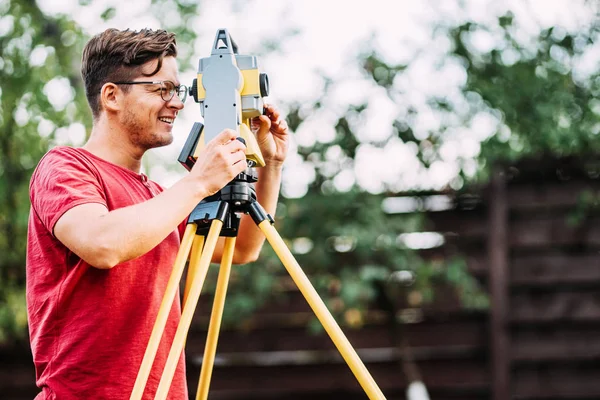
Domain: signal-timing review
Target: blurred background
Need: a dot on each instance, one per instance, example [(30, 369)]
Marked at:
[(442, 191)]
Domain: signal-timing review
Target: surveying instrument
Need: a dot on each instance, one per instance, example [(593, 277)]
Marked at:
[(230, 91)]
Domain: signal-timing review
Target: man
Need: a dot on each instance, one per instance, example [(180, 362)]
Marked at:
[(103, 238)]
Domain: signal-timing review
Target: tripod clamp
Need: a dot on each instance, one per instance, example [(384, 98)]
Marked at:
[(225, 206)]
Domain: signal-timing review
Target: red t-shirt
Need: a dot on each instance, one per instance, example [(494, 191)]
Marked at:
[(89, 328)]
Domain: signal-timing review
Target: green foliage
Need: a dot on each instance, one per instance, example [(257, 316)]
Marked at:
[(382, 73), (545, 109), (249, 287), (588, 205), (180, 17), (347, 246), (37, 56)]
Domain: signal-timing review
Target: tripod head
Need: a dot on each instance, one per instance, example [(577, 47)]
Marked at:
[(230, 91)]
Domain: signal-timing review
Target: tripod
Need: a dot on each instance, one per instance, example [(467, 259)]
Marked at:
[(217, 216)]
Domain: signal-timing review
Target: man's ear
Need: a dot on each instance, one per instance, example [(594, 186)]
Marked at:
[(110, 97)]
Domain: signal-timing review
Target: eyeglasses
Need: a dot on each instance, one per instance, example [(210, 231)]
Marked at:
[(167, 89)]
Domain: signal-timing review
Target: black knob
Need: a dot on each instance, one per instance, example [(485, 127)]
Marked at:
[(264, 84), (194, 90)]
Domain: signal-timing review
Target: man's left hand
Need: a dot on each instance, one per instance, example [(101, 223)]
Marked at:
[(272, 135)]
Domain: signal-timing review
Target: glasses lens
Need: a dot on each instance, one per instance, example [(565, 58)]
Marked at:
[(167, 90), (182, 91)]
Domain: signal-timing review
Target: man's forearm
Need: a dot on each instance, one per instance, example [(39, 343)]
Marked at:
[(250, 238), (130, 232), (267, 188)]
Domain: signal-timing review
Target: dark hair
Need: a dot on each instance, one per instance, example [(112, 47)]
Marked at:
[(115, 55)]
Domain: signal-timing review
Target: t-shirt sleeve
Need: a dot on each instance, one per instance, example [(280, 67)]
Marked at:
[(61, 181), (181, 228)]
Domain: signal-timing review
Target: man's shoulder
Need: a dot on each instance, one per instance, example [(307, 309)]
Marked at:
[(61, 152), (60, 161), (56, 155)]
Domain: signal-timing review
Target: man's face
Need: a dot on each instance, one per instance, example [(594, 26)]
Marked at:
[(147, 118)]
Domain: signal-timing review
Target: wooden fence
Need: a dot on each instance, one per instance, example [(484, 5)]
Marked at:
[(539, 340), (533, 238)]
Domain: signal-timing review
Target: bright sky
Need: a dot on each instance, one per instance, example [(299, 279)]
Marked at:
[(331, 34)]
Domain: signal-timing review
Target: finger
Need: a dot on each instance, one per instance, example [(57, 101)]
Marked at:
[(264, 128), (281, 126), (261, 119), (272, 112), (226, 136), (257, 122), (262, 122), (237, 157), (234, 146), (270, 108)]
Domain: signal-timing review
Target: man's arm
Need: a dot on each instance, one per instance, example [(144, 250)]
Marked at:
[(105, 238)]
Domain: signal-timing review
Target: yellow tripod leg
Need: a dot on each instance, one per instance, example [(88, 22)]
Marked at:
[(163, 312), (215, 320), (320, 309), (188, 312), (193, 266)]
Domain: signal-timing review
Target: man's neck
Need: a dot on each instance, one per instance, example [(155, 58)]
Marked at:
[(114, 146)]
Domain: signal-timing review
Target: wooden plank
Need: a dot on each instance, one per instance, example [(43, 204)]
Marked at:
[(561, 342), (465, 224), (499, 280), (554, 306), (527, 231), (391, 394), (448, 375), (17, 381), (553, 268), (450, 332), (562, 196), (530, 229), (292, 311), (17, 373), (288, 358), (544, 268), (533, 196), (557, 381), (554, 231), (552, 170)]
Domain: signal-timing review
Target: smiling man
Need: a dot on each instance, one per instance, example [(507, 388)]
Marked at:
[(103, 238)]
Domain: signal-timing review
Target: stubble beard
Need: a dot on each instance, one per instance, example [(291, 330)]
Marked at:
[(144, 135)]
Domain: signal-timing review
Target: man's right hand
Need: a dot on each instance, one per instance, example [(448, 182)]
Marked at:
[(221, 160)]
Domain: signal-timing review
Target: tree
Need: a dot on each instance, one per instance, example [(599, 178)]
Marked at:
[(41, 97), (546, 109), (537, 96)]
